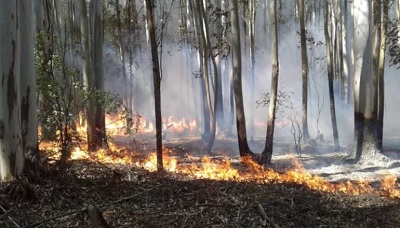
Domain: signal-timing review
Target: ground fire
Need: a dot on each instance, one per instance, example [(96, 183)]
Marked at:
[(225, 168)]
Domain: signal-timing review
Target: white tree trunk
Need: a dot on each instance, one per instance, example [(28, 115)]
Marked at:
[(365, 140), (11, 152), (269, 141), (29, 117)]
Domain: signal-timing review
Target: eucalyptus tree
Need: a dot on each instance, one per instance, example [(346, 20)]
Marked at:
[(380, 12), (203, 66), (88, 77), (126, 96), (267, 152), (330, 67), (29, 115), (244, 149), (11, 148), (365, 140), (304, 69), (98, 70), (347, 29), (251, 20), (156, 80)]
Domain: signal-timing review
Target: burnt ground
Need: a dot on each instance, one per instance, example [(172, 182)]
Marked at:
[(127, 196)]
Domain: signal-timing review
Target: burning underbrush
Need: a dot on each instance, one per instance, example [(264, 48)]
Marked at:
[(120, 184), (246, 170)]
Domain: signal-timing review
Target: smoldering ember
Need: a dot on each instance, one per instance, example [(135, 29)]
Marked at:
[(164, 113)]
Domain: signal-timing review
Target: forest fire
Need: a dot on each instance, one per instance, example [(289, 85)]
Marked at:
[(179, 126), (208, 168), (223, 168)]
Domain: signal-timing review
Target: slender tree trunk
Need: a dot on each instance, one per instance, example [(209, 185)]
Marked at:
[(244, 149), (304, 67), (128, 117), (345, 57), (98, 41), (88, 78), (364, 116), (329, 60), (156, 81), (269, 141), (376, 11), (340, 37), (197, 19), (252, 22), (221, 72), (11, 148), (208, 54), (350, 50), (381, 78)]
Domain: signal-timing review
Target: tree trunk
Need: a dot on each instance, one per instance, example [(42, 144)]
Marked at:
[(156, 81), (304, 69), (376, 11), (203, 69), (29, 115), (207, 52), (364, 116), (98, 41), (349, 56), (128, 106), (11, 151), (269, 141), (329, 58), (244, 149), (381, 71), (346, 49), (88, 78), (251, 28)]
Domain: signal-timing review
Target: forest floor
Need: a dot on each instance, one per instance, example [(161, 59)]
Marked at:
[(126, 195)]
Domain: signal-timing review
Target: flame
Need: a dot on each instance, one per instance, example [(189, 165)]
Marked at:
[(208, 168), (115, 125), (150, 163), (223, 169), (179, 126)]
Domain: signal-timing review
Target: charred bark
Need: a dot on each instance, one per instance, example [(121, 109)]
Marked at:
[(156, 82), (244, 149), (304, 68)]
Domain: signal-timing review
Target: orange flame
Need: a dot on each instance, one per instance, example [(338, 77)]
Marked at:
[(222, 169)]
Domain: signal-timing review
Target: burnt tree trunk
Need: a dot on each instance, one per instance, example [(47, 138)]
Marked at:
[(156, 82)]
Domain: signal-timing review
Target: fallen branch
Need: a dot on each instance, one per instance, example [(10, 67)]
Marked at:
[(265, 218), (86, 208), (9, 217)]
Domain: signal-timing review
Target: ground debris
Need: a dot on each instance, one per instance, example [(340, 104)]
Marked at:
[(193, 203)]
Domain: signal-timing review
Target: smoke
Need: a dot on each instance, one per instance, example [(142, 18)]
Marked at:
[(181, 97)]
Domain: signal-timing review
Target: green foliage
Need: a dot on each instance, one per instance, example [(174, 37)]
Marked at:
[(63, 96)]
